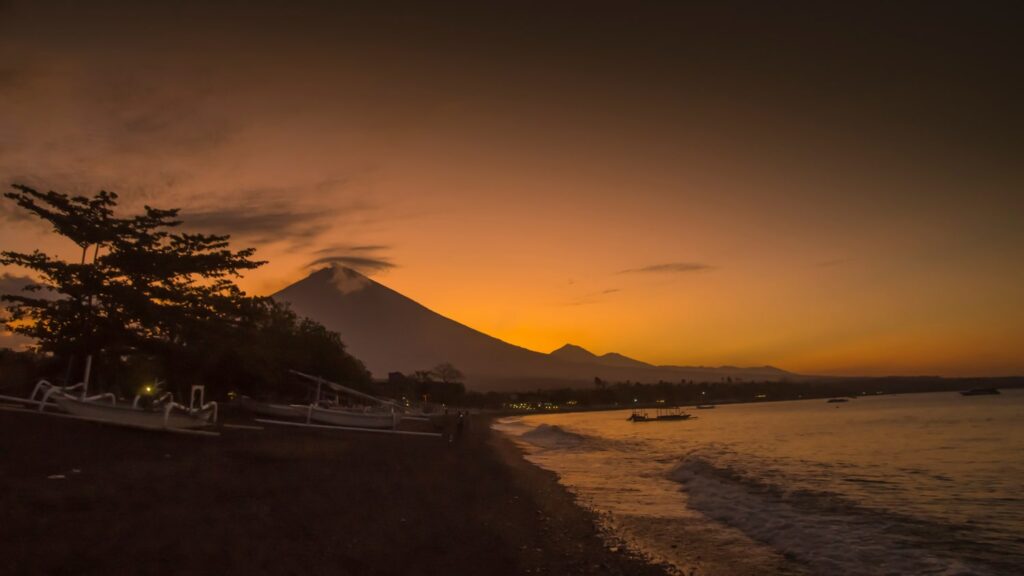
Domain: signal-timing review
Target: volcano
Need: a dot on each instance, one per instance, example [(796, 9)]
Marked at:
[(390, 332)]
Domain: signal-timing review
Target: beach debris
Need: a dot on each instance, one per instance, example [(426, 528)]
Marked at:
[(56, 477)]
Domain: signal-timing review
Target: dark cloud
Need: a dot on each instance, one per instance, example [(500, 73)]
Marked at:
[(261, 225), (362, 257), (670, 268), (11, 284), (357, 248), (269, 215), (361, 263)]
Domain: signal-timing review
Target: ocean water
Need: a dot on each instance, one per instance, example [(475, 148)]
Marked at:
[(902, 484)]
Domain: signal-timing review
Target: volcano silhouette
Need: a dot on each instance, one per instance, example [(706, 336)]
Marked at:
[(390, 332)]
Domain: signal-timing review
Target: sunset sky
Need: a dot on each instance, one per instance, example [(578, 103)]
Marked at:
[(828, 190)]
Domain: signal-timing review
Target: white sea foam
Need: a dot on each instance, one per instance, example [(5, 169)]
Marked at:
[(553, 437), (807, 526)]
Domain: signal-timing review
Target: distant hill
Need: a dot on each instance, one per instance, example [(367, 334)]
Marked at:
[(392, 333), (573, 353)]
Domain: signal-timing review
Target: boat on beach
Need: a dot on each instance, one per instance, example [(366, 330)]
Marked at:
[(353, 418), (326, 411), (271, 409), (145, 411), (168, 415)]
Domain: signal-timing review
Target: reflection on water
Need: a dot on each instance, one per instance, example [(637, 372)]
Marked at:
[(910, 484)]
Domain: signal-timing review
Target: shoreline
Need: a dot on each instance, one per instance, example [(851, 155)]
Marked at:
[(284, 502)]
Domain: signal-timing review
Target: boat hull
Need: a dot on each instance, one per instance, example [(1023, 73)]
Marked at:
[(273, 410), (352, 419), (128, 416)]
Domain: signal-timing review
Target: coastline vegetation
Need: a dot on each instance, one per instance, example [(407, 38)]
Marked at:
[(621, 395)]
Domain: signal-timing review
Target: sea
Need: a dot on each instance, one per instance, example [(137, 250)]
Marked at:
[(892, 484)]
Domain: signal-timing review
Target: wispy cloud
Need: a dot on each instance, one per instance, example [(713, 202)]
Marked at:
[(269, 215), (361, 263), (669, 268), (260, 224), (339, 248), (12, 284), (592, 298), (366, 258)]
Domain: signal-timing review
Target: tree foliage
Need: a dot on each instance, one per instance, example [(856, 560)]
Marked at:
[(448, 373), (147, 288), (155, 299)]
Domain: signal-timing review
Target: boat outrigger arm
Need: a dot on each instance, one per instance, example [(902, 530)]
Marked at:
[(168, 414), (346, 390), (45, 390), (330, 418)]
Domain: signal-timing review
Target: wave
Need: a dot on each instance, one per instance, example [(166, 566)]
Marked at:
[(545, 436), (554, 437), (510, 424), (829, 534)]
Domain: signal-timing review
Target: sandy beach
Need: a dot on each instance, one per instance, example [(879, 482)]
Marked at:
[(282, 501)]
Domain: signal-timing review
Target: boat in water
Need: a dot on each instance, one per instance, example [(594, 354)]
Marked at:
[(979, 392), (638, 415), (661, 415), (669, 414)]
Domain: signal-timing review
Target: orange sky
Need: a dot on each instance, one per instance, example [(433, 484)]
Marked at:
[(683, 187)]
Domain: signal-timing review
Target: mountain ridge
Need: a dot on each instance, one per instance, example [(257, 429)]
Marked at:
[(390, 332)]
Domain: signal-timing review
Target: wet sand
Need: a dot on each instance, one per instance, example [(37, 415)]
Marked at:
[(285, 501)]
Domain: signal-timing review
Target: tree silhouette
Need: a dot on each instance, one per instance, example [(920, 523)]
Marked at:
[(147, 289), (153, 301), (448, 373)]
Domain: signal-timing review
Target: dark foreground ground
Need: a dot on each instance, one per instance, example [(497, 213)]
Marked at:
[(283, 501)]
